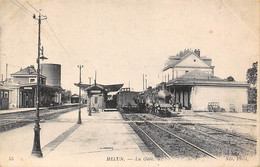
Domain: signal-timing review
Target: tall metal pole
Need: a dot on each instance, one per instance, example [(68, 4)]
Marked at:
[(6, 72), (36, 151), (143, 81), (79, 116), (95, 77)]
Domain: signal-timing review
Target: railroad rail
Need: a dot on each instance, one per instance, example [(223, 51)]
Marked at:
[(172, 134), (157, 145), (180, 138), (232, 134), (232, 116), (240, 138), (222, 119)]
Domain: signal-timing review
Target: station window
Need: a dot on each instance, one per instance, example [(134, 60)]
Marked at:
[(32, 80), (96, 99), (6, 95)]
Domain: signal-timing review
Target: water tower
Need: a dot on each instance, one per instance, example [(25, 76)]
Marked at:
[(53, 74)]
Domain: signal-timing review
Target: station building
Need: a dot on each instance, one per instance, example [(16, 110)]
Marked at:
[(23, 84), (190, 78)]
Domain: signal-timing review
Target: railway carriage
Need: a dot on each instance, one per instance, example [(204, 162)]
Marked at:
[(126, 100)]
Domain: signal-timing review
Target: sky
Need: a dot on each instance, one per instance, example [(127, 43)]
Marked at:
[(123, 40)]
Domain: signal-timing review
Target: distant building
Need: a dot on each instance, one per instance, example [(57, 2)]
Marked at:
[(74, 98), (190, 78)]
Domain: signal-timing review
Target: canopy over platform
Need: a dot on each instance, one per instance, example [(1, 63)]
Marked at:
[(107, 88), (41, 86)]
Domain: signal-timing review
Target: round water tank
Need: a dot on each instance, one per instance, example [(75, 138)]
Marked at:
[(53, 74)]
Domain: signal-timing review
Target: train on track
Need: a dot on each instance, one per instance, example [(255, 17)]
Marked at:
[(156, 101)]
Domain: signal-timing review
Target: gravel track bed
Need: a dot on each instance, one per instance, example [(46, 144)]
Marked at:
[(172, 145), (216, 143)]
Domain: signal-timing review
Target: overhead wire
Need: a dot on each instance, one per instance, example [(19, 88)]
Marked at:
[(57, 37), (24, 7), (21, 6), (33, 7), (46, 33), (29, 13), (51, 30)]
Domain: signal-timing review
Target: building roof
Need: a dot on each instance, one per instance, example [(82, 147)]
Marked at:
[(108, 88), (198, 75), (30, 70), (2, 87), (74, 96), (201, 78), (174, 60), (51, 88)]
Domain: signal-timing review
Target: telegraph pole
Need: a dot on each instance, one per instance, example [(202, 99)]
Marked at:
[(6, 72), (143, 82), (79, 117), (36, 151), (95, 77)]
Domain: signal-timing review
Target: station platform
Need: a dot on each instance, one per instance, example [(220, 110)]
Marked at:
[(103, 139)]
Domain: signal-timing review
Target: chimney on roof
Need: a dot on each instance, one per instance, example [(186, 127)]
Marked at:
[(197, 52)]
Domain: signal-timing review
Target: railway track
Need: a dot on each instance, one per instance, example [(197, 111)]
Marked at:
[(184, 144), (214, 140), (189, 123), (14, 120), (251, 139), (228, 133), (157, 145), (225, 118), (232, 116)]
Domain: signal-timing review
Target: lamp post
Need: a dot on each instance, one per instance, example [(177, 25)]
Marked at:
[(36, 151), (79, 117)]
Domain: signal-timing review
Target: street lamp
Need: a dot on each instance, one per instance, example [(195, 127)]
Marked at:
[(79, 117), (36, 151)]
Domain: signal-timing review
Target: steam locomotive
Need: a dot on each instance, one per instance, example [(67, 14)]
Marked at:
[(157, 102)]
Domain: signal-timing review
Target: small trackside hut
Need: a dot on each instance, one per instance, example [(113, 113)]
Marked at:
[(97, 94)]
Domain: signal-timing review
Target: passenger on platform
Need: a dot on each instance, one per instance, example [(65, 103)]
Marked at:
[(174, 107), (180, 106)]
